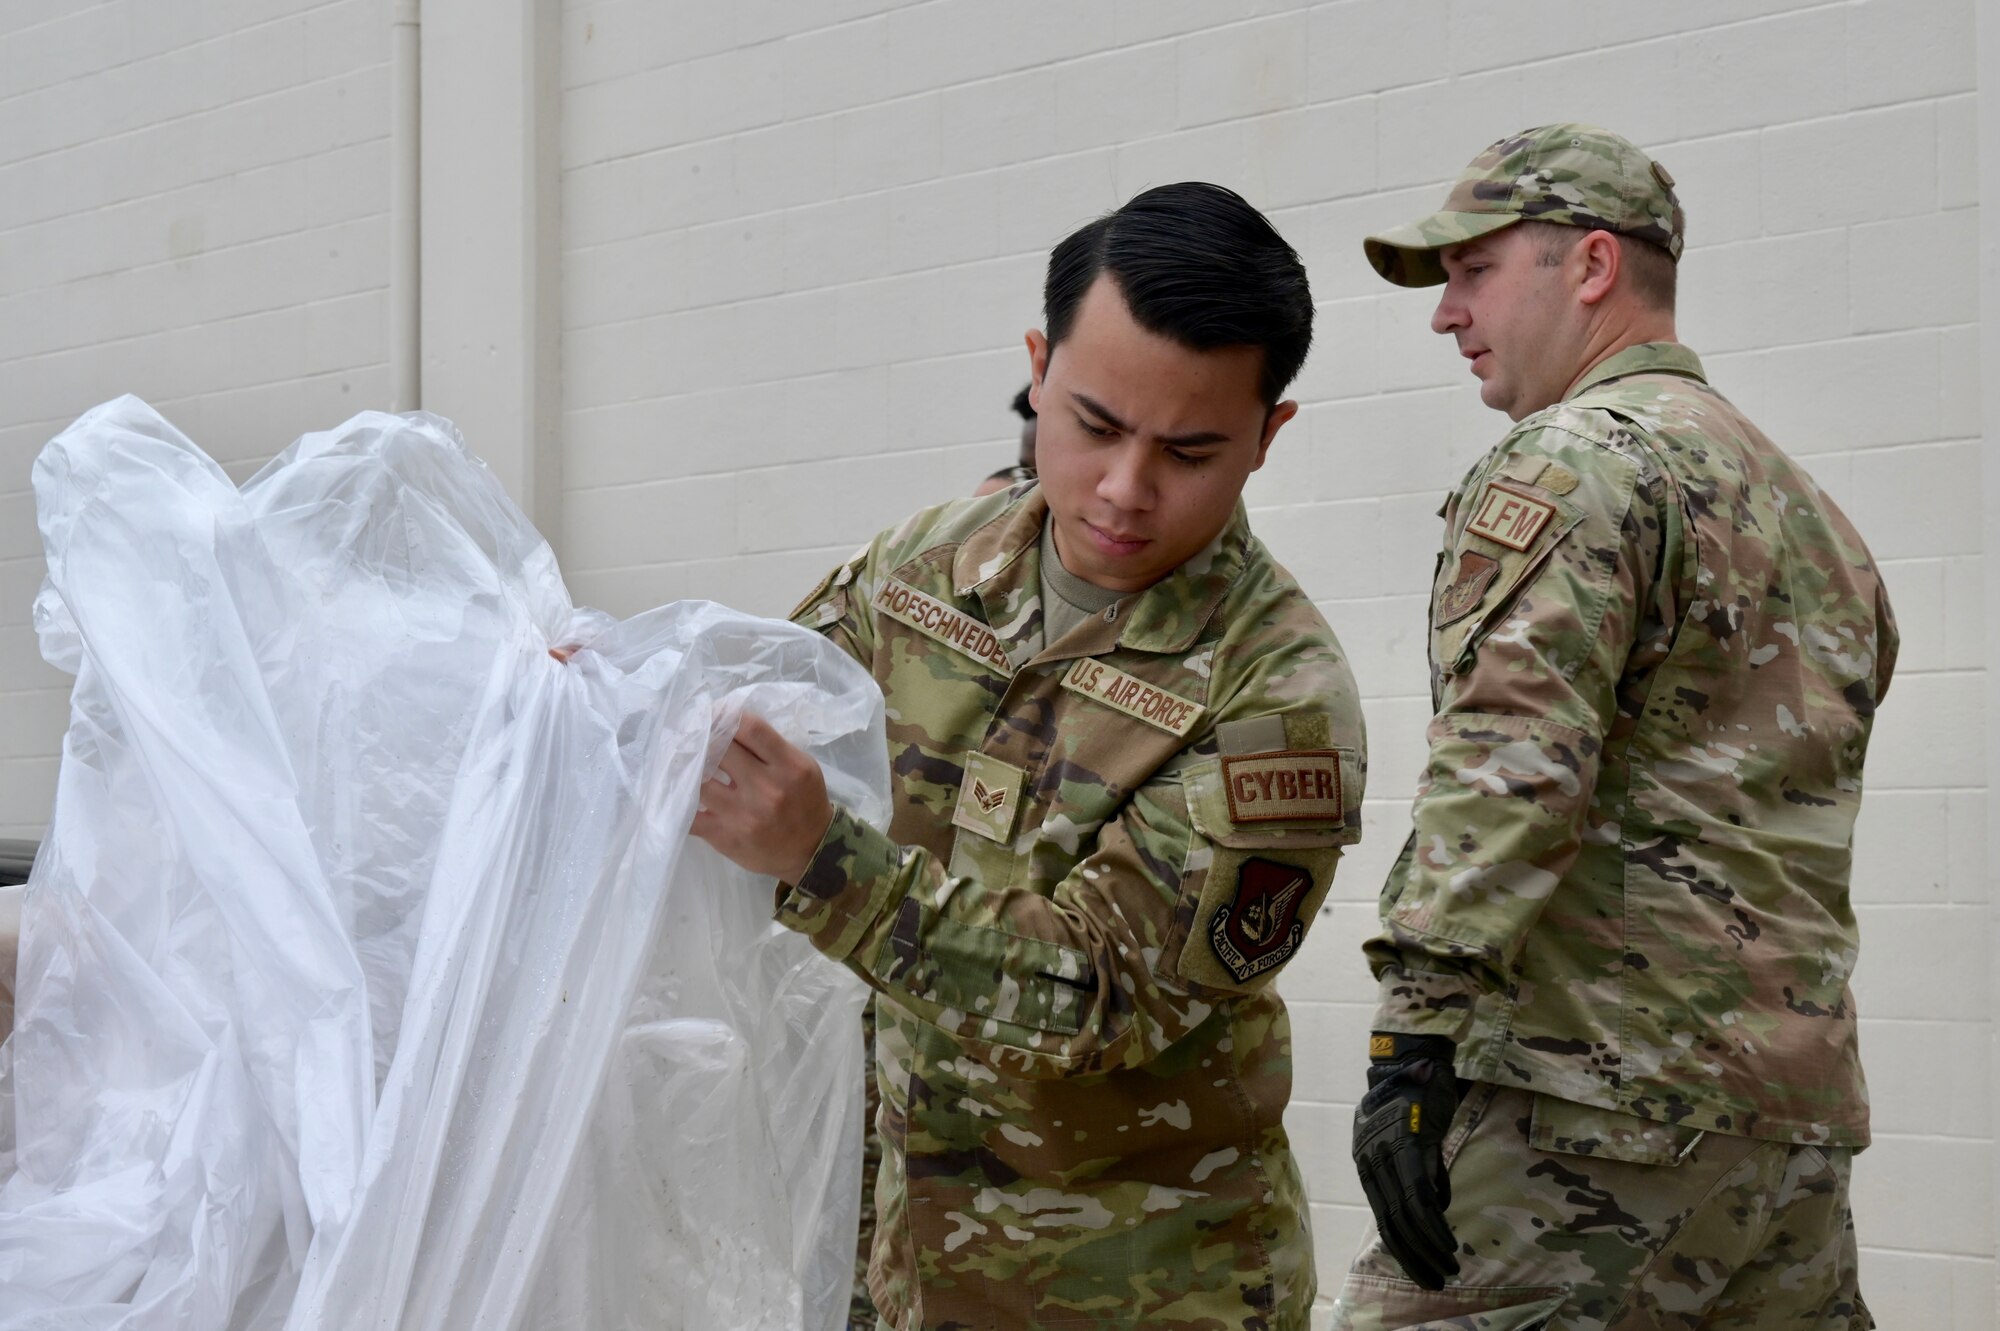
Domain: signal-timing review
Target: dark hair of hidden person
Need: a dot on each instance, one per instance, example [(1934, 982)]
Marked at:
[(1198, 264)]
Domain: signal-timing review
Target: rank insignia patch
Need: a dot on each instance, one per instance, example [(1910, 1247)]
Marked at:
[(1475, 575), (1260, 928), (988, 797), (1510, 517)]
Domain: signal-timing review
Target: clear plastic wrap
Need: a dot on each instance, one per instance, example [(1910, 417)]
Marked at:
[(368, 976)]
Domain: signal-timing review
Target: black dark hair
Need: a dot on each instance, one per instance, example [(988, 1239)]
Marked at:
[(1196, 263), (1022, 406)]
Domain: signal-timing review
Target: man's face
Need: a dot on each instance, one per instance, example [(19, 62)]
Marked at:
[(1513, 317), (1142, 445)]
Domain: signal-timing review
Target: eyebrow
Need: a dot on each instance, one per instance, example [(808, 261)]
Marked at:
[(1195, 440)]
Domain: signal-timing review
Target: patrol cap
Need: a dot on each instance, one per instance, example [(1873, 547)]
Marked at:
[(1577, 175)]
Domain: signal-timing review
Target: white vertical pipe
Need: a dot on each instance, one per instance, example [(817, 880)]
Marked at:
[(405, 290)]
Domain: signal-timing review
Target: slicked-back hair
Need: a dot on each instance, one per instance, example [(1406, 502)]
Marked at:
[(1197, 264), (1651, 270)]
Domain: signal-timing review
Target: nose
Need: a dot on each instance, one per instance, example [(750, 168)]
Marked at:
[(1127, 482), (1450, 312)]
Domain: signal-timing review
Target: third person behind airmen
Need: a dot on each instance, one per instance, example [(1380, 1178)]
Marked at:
[(1024, 461), (1657, 650)]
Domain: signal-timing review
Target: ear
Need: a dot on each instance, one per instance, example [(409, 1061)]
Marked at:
[(1599, 258), (1038, 366), (1274, 418)]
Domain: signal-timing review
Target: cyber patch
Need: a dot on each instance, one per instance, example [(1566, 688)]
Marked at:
[(1475, 574), (1509, 517), (1289, 785), (1259, 928)]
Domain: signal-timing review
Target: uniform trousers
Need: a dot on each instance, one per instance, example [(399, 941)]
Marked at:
[(1736, 1233)]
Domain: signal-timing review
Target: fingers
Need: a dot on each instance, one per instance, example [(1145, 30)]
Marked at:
[(1423, 1223), (760, 739)]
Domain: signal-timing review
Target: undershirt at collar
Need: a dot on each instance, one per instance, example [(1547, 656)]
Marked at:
[(1067, 600)]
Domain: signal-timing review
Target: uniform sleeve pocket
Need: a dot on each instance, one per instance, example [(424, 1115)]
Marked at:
[(988, 974), (1304, 798), (1485, 577)]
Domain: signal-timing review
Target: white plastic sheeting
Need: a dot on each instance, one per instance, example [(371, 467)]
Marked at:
[(368, 976)]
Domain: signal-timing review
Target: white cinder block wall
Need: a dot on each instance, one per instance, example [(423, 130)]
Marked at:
[(193, 204), (800, 240)]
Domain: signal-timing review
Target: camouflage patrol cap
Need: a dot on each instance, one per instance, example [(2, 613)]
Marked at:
[(1577, 175)]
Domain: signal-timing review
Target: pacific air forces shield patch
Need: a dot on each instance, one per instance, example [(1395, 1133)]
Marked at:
[(1475, 575), (1260, 927)]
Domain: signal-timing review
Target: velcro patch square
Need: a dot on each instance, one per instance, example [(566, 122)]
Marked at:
[(1290, 785), (989, 797), (1510, 517)]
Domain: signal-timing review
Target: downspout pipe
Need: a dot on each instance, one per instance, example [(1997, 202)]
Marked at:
[(405, 310)]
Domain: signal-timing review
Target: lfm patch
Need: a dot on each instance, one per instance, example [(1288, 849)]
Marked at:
[(1260, 928)]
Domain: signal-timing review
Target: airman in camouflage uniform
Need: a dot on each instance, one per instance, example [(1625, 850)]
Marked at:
[(1657, 650), (1127, 753), (1104, 849)]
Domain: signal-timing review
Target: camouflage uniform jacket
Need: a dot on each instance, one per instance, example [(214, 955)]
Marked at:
[(1657, 650), (1103, 850)]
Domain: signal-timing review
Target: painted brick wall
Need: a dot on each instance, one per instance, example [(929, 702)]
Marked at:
[(192, 208), (801, 239), (801, 242)]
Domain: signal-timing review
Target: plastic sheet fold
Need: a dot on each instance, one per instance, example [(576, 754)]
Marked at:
[(368, 976)]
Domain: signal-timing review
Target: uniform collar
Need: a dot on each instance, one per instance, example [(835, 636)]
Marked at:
[(995, 563), (1645, 358)]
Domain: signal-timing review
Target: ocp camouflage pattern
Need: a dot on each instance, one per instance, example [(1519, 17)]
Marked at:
[(1081, 1102), (1622, 1231), (1628, 882), (1574, 175)]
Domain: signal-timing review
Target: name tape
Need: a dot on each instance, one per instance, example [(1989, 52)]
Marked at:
[(1134, 697), (934, 619), (1291, 784)]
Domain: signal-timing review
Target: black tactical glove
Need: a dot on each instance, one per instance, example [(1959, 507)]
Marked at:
[(1399, 1131)]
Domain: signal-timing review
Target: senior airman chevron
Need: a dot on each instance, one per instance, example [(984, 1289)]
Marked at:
[(934, 619), (1134, 697)]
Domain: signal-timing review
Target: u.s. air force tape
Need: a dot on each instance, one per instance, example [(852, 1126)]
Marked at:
[(934, 619), (1134, 697)]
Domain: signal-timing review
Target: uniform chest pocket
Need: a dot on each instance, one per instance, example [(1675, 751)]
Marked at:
[(1490, 565)]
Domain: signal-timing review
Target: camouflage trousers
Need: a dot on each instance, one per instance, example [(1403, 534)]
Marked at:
[(1728, 1232), (861, 1308)]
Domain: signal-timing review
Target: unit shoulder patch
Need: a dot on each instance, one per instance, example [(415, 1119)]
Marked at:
[(1288, 785), (1134, 697), (1475, 574), (934, 619), (1259, 928), (1509, 516)]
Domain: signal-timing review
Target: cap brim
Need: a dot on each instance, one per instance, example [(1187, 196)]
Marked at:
[(1408, 255)]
